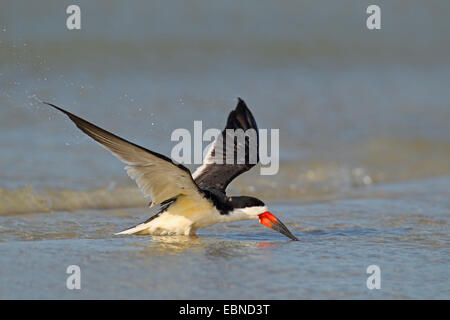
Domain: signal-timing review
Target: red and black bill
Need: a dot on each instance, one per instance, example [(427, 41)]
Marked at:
[(269, 220)]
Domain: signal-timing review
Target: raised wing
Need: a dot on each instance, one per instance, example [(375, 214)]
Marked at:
[(224, 161), (156, 175)]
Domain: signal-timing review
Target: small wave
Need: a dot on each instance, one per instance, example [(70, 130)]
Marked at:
[(27, 200), (308, 181), (314, 183)]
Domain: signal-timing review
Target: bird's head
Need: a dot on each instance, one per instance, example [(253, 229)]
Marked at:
[(254, 209)]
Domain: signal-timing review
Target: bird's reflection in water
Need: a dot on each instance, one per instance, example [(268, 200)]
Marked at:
[(168, 245), (212, 247), (267, 245), (238, 249)]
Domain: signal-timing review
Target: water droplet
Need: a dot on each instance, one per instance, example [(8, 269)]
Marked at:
[(367, 180)]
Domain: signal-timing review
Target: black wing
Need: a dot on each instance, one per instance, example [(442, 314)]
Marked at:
[(218, 168)]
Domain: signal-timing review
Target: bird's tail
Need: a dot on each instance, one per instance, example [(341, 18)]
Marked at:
[(134, 230), (140, 228)]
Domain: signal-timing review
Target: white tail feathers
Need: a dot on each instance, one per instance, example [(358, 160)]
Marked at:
[(135, 229)]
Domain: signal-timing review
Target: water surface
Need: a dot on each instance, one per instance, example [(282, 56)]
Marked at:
[(364, 146)]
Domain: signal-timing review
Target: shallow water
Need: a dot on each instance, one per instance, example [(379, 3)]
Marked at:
[(364, 147), (401, 228)]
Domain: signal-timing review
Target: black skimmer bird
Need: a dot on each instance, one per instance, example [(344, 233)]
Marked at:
[(187, 202)]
